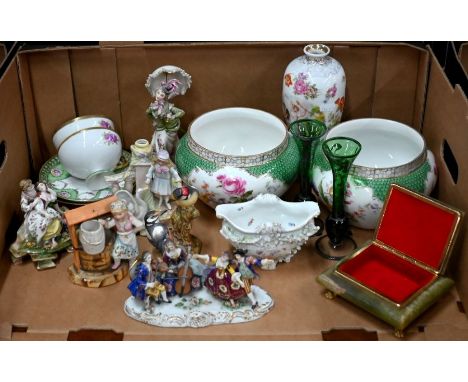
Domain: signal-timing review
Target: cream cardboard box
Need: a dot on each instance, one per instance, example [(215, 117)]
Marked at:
[(43, 88)]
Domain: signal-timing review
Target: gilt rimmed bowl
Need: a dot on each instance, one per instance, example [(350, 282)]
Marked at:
[(391, 152), (232, 155), (88, 148)]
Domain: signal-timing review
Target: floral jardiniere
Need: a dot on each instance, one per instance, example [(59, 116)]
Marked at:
[(232, 155), (391, 153)]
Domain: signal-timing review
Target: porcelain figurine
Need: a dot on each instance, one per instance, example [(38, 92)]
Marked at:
[(230, 298), (268, 227), (145, 286), (232, 155), (140, 161), (162, 177), (43, 231), (230, 278), (181, 219), (314, 87), (126, 226), (392, 152), (164, 84)]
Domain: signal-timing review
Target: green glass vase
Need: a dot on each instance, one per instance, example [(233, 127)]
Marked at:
[(341, 153), (307, 133)]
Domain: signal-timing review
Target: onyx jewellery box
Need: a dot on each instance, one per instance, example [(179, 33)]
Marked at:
[(401, 272)]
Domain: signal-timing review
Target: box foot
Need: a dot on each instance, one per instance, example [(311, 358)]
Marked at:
[(399, 333), (329, 295)]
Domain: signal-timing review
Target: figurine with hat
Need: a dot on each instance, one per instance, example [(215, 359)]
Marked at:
[(126, 226), (162, 177)]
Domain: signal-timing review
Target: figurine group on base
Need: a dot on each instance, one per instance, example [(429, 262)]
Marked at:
[(195, 290)]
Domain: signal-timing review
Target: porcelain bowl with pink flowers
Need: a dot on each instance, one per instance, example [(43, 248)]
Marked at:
[(232, 155)]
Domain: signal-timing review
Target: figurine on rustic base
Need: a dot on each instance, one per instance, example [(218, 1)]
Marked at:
[(92, 269)]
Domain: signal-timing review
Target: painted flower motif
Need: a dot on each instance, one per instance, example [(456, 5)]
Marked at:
[(56, 172), (317, 114), (232, 186), (340, 103), (106, 125), (110, 138), (331, 92), (302, 87), (63, 194), (288, 80)]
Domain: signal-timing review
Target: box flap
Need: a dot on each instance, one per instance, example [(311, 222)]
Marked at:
[(418, 227)]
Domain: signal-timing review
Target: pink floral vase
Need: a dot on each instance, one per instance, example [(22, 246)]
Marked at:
[(314, 87)]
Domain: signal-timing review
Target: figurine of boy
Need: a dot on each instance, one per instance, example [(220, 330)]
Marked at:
[(163, 178), (126, 226), (181, 219)]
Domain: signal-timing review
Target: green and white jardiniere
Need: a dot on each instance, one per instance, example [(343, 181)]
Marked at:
[(231, 155), (392, 152)]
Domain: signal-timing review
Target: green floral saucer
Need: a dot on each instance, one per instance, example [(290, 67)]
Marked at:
[(73, 190)]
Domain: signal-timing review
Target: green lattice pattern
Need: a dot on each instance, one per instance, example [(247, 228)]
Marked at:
[(186, 160), (284, 168), (414, 181)]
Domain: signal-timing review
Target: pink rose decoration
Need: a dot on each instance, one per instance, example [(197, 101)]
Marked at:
[(232, 186), (300, 87)]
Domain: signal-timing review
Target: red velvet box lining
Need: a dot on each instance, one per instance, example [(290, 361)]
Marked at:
[(387, 274), (418, 229)]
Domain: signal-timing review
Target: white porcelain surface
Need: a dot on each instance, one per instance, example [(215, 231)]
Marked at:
[(314, 87), (268, 227), (198, 310), (80, 123), (385, 143), (90, 151), (238, 131)]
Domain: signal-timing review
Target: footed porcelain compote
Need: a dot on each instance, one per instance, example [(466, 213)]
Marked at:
[(268, 227), (232, 155)]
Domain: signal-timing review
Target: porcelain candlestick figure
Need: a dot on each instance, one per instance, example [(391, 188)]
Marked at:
[(163, 178), (126, 225), (181, 219), (164, 84)]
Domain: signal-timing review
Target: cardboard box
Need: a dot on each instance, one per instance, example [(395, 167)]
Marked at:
[(44, 88)]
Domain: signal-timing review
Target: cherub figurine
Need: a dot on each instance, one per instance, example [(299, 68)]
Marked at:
[(144, 285), (43, 226), (230, 279), (126, 226), (181, 219), (164, 84), (162, 177)]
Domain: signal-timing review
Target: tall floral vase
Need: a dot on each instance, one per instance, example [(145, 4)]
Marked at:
[(314, 87), (340, 152)]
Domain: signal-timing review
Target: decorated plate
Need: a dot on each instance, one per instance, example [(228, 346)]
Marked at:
[(73, 190)]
